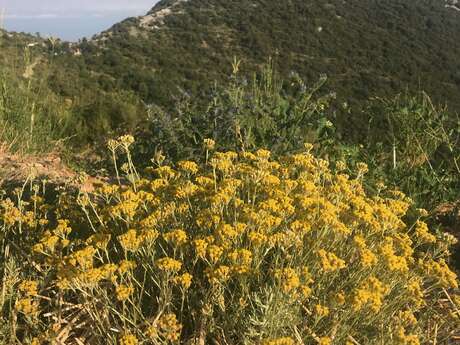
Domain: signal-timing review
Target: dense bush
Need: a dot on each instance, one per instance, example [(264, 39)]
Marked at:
[(242, 249), (267, 111)]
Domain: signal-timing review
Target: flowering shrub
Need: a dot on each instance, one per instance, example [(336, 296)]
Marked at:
[(241, 250)]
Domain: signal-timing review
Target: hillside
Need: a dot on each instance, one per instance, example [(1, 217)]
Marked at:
[(367, 48)]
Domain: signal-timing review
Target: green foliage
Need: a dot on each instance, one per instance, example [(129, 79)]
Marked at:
[(401, 44), (264, 112), (409, 143), (415, 145), (31, 117)]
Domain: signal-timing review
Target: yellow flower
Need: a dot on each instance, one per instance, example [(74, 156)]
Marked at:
[(130, 241), (125, 266), (442, 272), (169, 327), (177, 237), (129, 339), (99, 241), (393, 261), (27, 306), (257, 239), (188, 167), (416, 294), (321, 310), (330, 262), (218, 275), (362, 168), (124, 292), (406, 339), (126, 140), (35, 341), (29, 287), (305, 291), (169, 265), (288, 278), (371, 292), (200, 248), (84, 257), (423, 234), (324, 341), (152, 332), (214, 253), (407, 317), (241, 256), (279, 341), (184, 280), (340, 298), (209, 144)]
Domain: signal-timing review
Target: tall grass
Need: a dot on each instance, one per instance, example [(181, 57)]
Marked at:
[(32, 118)]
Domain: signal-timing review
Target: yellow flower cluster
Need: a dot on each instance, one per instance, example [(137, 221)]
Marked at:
[(242, 248), (129, 339), (321, 310), (218, 275), (200, 248), (188, 167), (29, 287), (423, 233), (325, 341), (176, 237), (169, 265), (125, 266), (403, 338), (184, 280), (241, 260), (27, 306), (330, 262), (209, 144), (393, 261), (288, 279), (170, 328), (442, 272), (367, 257), (372, 292), (415, 293), (279, 341), (124, 292)]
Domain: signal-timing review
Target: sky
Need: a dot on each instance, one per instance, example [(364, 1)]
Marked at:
[(68, 19)]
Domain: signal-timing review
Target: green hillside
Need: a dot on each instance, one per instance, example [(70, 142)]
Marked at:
[(367, 48)]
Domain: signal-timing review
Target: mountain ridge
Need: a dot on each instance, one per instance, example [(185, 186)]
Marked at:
[(367, 49)]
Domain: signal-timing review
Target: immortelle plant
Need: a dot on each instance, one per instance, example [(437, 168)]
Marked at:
[(243, 249)]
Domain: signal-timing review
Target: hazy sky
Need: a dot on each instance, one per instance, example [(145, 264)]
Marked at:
[(68, 19)]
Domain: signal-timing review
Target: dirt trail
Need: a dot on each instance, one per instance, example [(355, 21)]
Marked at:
[(16, 169)]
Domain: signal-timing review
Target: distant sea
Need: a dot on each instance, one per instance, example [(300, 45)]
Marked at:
[(68, 28)]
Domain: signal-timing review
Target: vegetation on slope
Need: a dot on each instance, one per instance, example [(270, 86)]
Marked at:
[(183, 47), (401, 44)]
